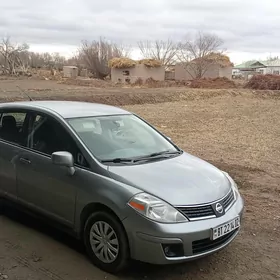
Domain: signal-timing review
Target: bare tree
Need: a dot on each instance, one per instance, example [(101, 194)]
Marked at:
[(14, 56), (36, 60), (95, 56), (272, 58), (124, 50), (23, 61), (46, 60), (58, 61), (199, 53), (164, 51)]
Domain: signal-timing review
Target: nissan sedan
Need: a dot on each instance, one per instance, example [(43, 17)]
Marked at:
[(112, 180)]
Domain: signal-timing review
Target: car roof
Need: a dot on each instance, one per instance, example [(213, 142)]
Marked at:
[(68, 109)]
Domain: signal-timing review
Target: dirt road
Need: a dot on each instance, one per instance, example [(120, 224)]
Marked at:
[(237, 131)]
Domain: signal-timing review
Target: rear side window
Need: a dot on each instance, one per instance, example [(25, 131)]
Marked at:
[(12, 127), (19, 117)]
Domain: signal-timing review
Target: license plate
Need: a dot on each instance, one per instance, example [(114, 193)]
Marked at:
[(225, 228)]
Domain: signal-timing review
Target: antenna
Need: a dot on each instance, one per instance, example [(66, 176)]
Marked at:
[(30, 99)]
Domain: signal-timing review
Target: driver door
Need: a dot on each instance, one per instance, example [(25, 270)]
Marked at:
[(43, 186)]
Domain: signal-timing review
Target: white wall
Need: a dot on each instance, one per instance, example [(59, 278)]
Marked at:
[(269, 69)]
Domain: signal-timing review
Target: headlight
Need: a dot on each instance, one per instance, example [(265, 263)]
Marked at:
[(156, 209), (233, 185)]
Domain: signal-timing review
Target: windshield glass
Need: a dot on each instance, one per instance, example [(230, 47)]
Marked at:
[(119, 136)]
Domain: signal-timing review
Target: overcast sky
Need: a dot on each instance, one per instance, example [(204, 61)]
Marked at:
[(249, 28)]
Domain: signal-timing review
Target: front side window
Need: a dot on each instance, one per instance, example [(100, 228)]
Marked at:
[(119, 136), (49, 136), (12, 127)]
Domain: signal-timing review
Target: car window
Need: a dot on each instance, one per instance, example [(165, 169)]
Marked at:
[(87, 125), (119, 136), (49, 136), (12, 127)]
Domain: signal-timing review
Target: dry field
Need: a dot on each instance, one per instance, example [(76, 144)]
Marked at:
[(237, 130)]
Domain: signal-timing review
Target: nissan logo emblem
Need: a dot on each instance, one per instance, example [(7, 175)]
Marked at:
[(219, 208)]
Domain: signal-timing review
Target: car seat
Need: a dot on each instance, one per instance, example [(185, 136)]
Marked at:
[(9, 129)]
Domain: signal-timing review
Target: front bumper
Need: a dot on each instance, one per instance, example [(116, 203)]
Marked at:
[(147, 238)]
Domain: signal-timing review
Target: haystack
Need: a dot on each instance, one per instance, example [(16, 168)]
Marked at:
[(121, 62), (221, 59), (212, 58), (150, 62)]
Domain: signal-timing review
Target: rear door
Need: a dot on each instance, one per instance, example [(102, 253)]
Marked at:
[(13, 141)]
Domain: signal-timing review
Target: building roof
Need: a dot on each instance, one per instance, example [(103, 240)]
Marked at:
[(67, 109), (249, 64), (258, 64)]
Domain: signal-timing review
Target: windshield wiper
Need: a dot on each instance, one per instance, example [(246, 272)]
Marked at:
[(162, 154), (117, 160)]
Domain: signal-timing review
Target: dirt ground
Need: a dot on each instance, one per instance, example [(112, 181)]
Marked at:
[(237, 130)]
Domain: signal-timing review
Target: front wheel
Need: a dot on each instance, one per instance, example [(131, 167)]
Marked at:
[(106, 242)]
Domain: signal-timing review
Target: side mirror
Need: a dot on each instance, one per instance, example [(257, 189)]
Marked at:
[(169, 138), (64, 159)]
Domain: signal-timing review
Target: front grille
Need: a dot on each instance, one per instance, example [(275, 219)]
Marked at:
[(204, 245), (228, 200), (205, 211), (197, 212)]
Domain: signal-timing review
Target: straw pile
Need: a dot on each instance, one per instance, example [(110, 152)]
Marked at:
[(150, 62), (121, 62), (221, 59), (124, 62), (212, 58)]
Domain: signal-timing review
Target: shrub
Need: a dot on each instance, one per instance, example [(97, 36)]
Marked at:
[(264, 82), (138, 82)]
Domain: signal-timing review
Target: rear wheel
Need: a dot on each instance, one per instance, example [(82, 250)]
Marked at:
[(106, 242)]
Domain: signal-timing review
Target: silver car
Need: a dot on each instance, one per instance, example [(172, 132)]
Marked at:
[(112, 180)]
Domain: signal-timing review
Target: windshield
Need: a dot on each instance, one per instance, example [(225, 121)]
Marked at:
[(119, 136)]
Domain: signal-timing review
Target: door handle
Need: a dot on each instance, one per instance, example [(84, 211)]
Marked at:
[(25, 160)]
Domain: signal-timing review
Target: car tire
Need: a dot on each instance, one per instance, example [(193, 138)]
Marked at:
[(106, 242)]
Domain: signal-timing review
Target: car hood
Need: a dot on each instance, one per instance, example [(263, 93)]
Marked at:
[(181, 180)]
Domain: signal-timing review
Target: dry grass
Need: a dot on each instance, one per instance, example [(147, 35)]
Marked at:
[(149, 83), (87, 82), (44, 74), (152, 83), (215, 83), (242, 129)]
